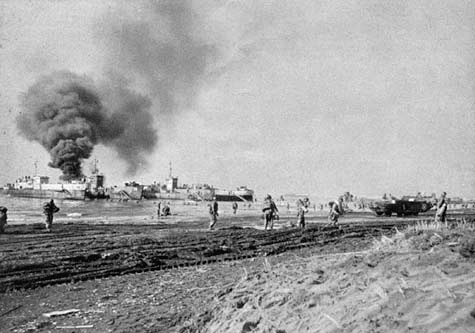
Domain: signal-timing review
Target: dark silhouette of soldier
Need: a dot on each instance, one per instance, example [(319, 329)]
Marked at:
[(3, 218), (270, 212), (302, 208), (49, 209), (213, 213), (166, 209), (159, 209), (441, 214), (336, 210)]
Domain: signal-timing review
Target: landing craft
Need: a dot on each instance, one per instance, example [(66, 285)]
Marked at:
[(170, 190), (39, 187), (242, 193), (36, 186), (129, 191)]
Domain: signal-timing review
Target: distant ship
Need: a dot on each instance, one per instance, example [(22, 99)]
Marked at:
[(92, 187), (40, 187), (242, 193), (170, 190), (128, 191), (196, 192), (86, 188)]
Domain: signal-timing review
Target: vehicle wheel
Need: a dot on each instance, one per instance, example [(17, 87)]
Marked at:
[(387, 213), (379, 213), (424, 207), (400, 214), (415, 214)]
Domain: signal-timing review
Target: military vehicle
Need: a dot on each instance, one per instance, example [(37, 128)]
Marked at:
[(400, 207)]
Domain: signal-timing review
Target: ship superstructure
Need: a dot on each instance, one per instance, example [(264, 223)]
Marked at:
[(40, 187), (171, 190), (37, 186), (93, 187)]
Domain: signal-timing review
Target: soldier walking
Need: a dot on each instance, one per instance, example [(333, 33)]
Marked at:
[(302, 208), (441, 213), (213, 213), (159, 209), (166, 209), (235, 207), (336, 210), (49, 209), (270, 211), (3, 218)]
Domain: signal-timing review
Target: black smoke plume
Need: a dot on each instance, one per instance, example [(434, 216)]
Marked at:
[(66, 114), (163, 51), (167, 50)]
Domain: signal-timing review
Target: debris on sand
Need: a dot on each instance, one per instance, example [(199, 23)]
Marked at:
[(467, 247), (60, 313), (250, 326), (11, 310), (76, 326)]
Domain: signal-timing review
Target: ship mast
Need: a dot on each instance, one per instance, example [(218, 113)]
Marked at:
[(94, 169), (170, 170), (36, 167)]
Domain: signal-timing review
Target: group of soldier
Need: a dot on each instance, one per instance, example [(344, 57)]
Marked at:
[(270, 210), (49, 209), (163, 211)]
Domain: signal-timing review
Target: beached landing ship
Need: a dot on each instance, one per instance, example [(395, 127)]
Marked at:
[(242, 193), (128, 191), (40, 187), (170, 190), (196, 192)]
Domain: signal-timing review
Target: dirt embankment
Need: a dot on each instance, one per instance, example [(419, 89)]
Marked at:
[(409, 283)]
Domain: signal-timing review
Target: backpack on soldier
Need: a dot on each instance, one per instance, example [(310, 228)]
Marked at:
[(46, 207)]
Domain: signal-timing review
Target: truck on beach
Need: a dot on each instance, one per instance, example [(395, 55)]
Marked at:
[(400, 207)]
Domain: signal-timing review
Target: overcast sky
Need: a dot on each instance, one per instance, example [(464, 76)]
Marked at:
[(315, 97)]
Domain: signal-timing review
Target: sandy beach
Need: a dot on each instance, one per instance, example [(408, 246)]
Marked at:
[(173, 275)]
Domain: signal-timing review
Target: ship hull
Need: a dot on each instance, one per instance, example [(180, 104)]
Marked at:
[(96, 195), (197, 196), (171, 196), (232, 197), (47, 194), (125, 193)]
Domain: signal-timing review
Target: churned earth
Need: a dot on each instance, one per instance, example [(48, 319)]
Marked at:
[(386, 275), (408, 283)]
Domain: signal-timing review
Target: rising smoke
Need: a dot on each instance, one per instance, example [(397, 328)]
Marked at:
[(167, 50), (69, 114), (65, 113)]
